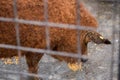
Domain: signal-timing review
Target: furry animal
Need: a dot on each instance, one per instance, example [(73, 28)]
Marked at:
[(59, 11)]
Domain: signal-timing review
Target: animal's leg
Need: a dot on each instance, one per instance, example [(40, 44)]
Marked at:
[(84, 57), (32, 60)]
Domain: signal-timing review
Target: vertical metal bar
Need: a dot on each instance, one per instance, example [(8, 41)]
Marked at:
[(113, 39), (46, 19), (119, 41), (17, 33), (78, 31), (78, 23)]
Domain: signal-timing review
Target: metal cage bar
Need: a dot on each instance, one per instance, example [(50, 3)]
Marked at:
[(47, 25)]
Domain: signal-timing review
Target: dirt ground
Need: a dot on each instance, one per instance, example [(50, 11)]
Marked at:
[(103, 59)]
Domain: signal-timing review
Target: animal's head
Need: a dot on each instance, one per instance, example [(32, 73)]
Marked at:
[(97, 38), (92, 36), (87, 19)]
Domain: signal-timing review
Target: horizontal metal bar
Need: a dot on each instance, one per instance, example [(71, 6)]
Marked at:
[(41, 51), (23, 73), (49, 24)]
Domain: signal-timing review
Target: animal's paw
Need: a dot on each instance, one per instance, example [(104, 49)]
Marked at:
[(10, 60), (7, 61), (75, 66), (16, 60)]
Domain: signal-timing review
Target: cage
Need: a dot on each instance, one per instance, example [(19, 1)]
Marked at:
[(20, 22)]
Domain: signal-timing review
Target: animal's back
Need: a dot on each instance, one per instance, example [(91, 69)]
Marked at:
[(60, 11)]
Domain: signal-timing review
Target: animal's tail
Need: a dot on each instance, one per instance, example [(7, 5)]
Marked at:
[(97, 38)]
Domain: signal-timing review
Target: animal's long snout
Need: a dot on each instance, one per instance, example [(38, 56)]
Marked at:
[(106, 41), (98, 38), (102, 40)]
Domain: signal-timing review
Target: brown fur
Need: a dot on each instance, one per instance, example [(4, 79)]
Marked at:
[(59, 11)]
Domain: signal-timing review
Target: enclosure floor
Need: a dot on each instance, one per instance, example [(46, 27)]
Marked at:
[(99, 65)]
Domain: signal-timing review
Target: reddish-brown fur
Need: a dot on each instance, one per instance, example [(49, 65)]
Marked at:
[(59, 11)]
